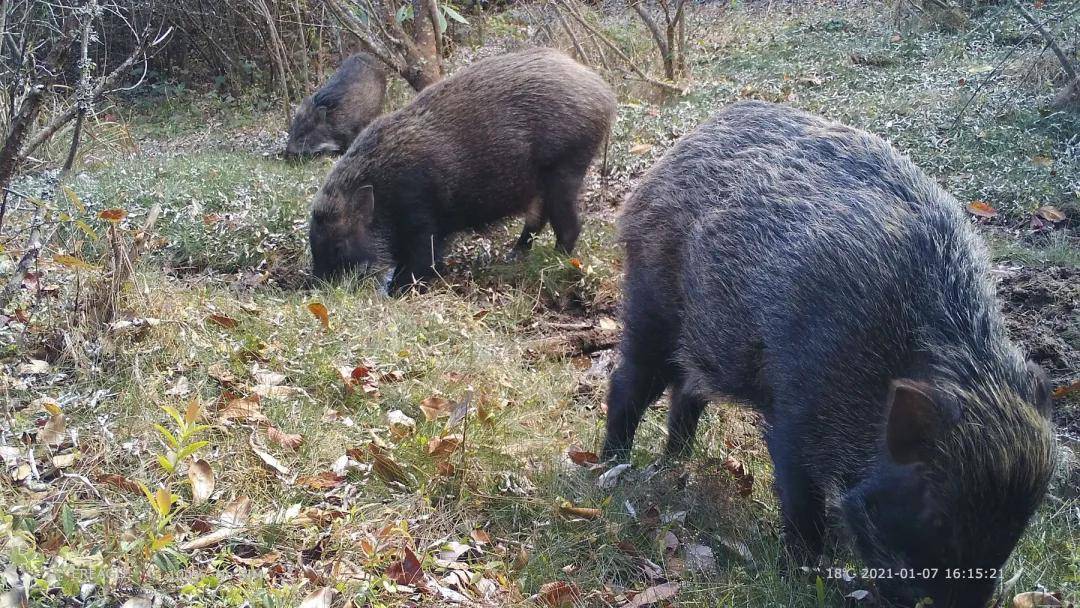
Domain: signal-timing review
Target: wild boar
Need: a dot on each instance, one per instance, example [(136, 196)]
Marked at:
[(809, 269), (508, 135), (328, 120)]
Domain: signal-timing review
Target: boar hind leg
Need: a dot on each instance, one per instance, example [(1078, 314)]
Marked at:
[(560, 194), (683, 416), (634, 386), (802, 507)]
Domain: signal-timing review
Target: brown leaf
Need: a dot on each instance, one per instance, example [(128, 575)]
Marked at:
[(1032, 599), (407, 571), (291, 441), (981, 209), (741, 474), (481, 537), (401, 426), (112, 215), (119, 481), (435, 407), (321, 313), (326, 480), (653, 595), (386, 469), (568, 509), (440, 447), (576, 263), (201, 477), (640, 148), (1068, 389), (558, 594), (222, 320), (243, 409), (1050, 213), (582, 458), (1042, 161)]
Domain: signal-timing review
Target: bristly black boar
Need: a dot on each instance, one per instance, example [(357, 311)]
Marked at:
[(808, 268), (329, 120), (508, 135)]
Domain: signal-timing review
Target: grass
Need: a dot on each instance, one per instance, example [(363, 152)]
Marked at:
[(231, 244)]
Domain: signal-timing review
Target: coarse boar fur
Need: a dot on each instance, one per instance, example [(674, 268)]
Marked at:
[(509, 135), (328, 120), (809, 269)]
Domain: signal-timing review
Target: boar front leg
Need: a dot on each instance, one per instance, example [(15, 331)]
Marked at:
[(418, 264)]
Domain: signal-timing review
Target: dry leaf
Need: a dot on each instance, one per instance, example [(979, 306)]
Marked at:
[(440, 447), (981, 209), (243, 409), (326, 480), (653, 595), (401, 426), (558, 594), (566, 508), (226, 322), (63, 461), (320, 598), (112, 215), (610, 477), (54, 430), (1032, 599), (34, 367), (121, 482), (386, 469), (640, 148), (1068, 389), (576, 263), (291, 441), (1042, 161), (408, 571), (741, 474), (201, 477), (236, 513), (271, 463), (1050, 213), (481, 537), (582, 458), (699, 558), (434, 407), (321, 313)]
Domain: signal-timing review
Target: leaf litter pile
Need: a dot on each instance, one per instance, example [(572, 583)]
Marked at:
[(230, 441)]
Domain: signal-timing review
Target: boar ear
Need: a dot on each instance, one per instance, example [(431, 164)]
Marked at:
[(918, 415), (365, 201), (1041, 395), (320, 111)]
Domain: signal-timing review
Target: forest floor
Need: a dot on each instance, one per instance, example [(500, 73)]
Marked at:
[(237, 437)]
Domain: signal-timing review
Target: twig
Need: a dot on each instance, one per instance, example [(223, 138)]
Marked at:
[(1066, 65), (578, 50), (103, 303), (611, 45), (33, 249)]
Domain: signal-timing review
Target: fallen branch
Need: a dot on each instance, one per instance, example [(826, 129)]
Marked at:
[(575, 343)]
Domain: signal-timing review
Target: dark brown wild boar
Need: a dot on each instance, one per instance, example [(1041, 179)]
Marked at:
[(508, 135), (328, 120), (809, 269)]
